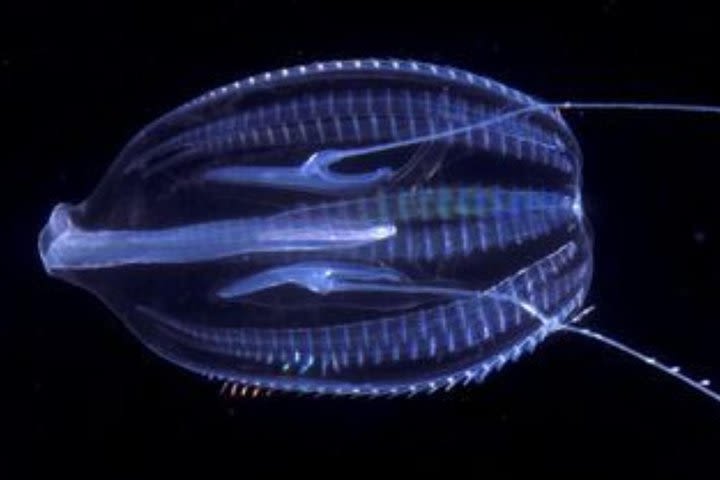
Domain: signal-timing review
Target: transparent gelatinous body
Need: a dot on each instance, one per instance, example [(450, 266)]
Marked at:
[(349, 227)]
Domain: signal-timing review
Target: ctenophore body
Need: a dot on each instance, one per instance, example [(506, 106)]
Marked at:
[(361, 227)]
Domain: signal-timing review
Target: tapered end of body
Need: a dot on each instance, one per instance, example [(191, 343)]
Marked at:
[(58, 225)]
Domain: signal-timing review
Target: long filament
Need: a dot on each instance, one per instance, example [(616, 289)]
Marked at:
[(703, 386)]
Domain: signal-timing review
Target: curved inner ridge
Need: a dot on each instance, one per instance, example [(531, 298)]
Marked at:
[(319, 277)]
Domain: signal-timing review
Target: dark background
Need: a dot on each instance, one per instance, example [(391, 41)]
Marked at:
[(78, 80)]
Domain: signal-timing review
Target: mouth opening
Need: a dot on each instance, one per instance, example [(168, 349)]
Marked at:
[(58, 225)]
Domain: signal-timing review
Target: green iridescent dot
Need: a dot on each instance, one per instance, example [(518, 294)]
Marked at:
[(444, 203), (467, 203), (403, 208), (424, 199), (458, 205)]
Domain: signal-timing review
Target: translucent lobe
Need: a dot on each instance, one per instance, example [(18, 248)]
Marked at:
[(350, 227)]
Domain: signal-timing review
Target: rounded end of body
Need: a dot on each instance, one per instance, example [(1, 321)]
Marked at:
[(57, 226)]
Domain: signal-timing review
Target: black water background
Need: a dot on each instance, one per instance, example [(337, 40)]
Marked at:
[(77, 81)]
